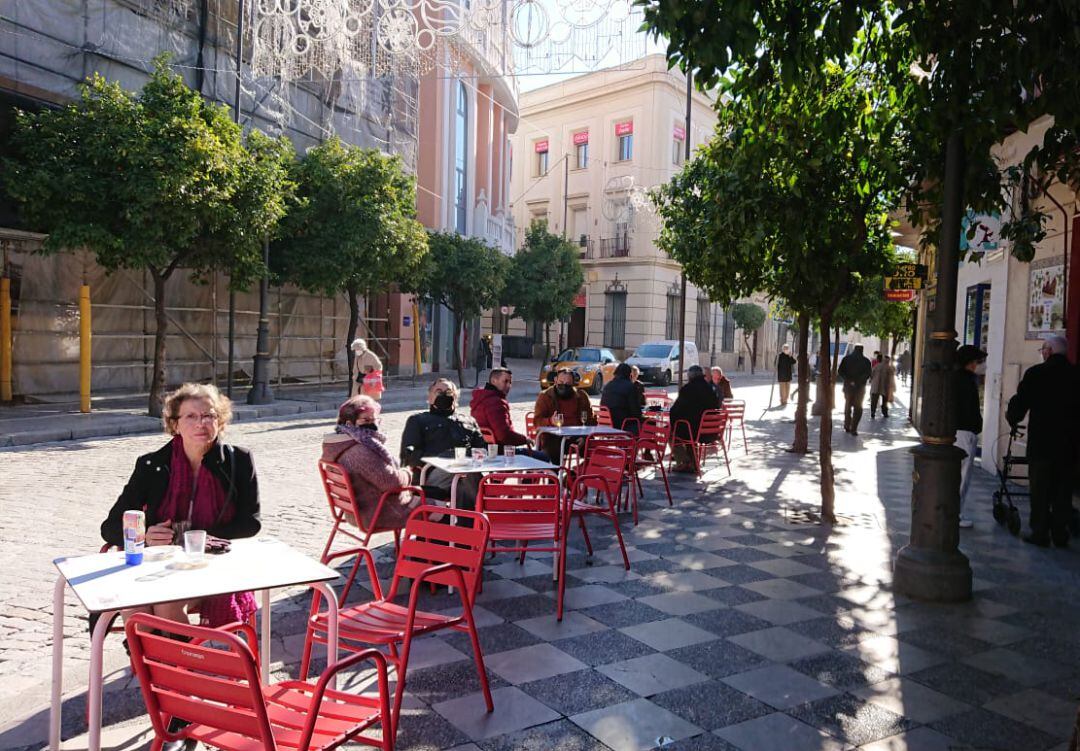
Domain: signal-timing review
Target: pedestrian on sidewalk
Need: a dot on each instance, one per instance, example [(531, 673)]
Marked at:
[(904, 365), (882, 385), (784, 364), (968, 417), (854, 371), (358, 446), (367, 371), (195, 481), (1047, 394)]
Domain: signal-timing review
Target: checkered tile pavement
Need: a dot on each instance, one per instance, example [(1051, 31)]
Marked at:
[(739, 627)]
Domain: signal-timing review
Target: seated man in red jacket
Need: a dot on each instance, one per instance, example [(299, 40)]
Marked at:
[(491, 410)]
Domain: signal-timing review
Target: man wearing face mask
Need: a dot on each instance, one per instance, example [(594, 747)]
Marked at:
[(566, 399), (968, 417), (438, 432)]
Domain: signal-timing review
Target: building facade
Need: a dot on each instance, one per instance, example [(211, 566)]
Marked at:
[(584, 155)]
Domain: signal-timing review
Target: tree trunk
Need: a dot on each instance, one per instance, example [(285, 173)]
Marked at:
[(746, 348), (825, 396), (753, 353), (161, 326), (458, 329), (354, 323), (836, 354), (802, 431)]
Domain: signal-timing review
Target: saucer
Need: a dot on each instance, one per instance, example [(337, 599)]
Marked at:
[(186, 565), (160, 553)]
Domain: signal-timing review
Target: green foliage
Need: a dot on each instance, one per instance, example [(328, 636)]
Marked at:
[(748, 316), (980, 68), (157, 180), (544, 277), (352, 223)]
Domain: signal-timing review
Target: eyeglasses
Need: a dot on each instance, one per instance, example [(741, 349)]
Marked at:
[(195, 419)]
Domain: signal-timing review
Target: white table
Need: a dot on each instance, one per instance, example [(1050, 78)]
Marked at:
[(577, 431), (455, 468), (105, 585)]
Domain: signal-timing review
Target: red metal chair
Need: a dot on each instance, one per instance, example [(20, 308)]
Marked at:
[(213, 682), (431, 552), (710, 438), (522, 508), (343, 507), (530, 426), (604, 473), (603, 417), (651, 445), (658, 395), (624, 443), (736, 410)]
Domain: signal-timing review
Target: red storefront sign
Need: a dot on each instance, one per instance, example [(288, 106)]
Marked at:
[(625, 128), (899, 295), (679, 132), (581, 138), (541, 146), (579, 300)]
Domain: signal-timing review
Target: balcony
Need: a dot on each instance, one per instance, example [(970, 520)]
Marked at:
[(495, 229), (587, 247), (615, 247)]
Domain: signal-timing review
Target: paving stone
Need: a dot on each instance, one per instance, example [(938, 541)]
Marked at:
[(546, 628), (603, 647), (742, 574), (443, 682), (919, 739), (780, 686), (906, 697), (493, 639), (520, 608), (836, 632), (515, 710), (734, 595), (651, 674), (711, 705), (980, 726), (680, 603), (625, 613), (779, 612), (533, 663), (726, 621), (779, 644), (851, 719), (719, 658), (634, 725), (1037, 709), (1021, 668), (579, 691), (778, 732), (840, 669), (965, 683), (945, 641)]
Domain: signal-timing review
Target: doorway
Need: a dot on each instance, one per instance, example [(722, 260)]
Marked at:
[(575, 334)]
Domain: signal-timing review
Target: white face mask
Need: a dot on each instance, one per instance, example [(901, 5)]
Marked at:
[(980, 369)]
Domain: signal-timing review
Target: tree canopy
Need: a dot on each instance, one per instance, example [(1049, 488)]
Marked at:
[(158, 180), (464, 274), (544, 277), (351, 226)]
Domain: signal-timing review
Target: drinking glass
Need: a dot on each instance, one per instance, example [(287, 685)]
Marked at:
[(195, 544), (584, 417), (508, 455), (492, 450), (459, 454), (478, 456), (556, 419)]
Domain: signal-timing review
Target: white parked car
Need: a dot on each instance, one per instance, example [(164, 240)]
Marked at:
[(659, 360)]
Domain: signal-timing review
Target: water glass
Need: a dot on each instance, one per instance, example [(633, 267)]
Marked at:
[(556, 419), (459, 454), (492, 450), (195, 544), (584, 417), (508, 455), (478, 457)]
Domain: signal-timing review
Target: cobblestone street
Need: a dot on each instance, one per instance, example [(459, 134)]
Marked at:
[(741, 625)]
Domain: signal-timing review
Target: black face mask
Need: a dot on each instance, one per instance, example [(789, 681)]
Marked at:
[(564, 392), (368, 426), (443, 403)]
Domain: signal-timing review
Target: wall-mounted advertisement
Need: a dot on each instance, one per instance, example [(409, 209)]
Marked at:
[(1046, 298), (979, 234)]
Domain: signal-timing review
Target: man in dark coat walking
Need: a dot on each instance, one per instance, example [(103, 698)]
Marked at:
[(696, 396), (785, 363), (1047, 394), (854, 371)]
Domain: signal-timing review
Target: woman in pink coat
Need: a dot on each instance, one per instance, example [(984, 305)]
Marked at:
[(358, 446)]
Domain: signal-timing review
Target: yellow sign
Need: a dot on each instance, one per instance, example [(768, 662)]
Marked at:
[(903, 282)]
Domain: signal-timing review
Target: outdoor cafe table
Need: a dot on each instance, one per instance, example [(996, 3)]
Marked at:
[(105, 585), (456, 468), (568, 432)]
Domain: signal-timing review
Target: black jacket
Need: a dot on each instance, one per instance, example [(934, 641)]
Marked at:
[(696, 396), (1048, 392), (622, 400), (784, 363), (966, 394), (854, 370), (435, 433), (149, 482)]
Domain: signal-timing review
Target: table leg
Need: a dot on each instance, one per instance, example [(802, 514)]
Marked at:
[(97, 645), (57, 664), (264, 622), (331, 625), (453, 519)]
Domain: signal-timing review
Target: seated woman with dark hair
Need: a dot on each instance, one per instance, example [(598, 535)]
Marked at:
[(358, 446)]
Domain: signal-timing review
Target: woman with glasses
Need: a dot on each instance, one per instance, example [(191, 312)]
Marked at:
[(195, 481)]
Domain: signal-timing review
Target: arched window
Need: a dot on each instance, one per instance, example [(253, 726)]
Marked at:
[(461, 160)]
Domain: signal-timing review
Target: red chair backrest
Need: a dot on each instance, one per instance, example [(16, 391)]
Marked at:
[(713, 423), (603, 417), (735, 408), (608, 463), (530, 425), (653, 434), (214, 683), (522, 497), (428, 543), (611, 440), (657, 395), (339, 490)]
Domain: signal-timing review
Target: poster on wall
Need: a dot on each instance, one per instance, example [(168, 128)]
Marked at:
[(1046, 298)]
